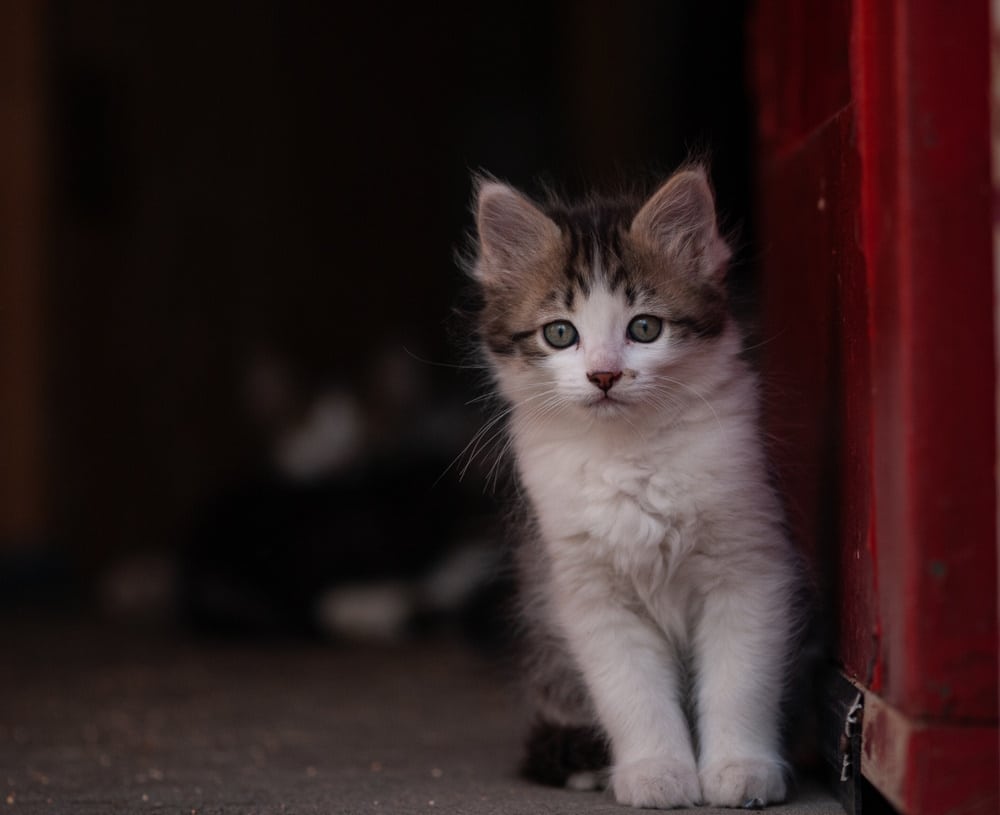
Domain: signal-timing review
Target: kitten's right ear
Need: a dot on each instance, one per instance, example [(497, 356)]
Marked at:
[(513, 232)]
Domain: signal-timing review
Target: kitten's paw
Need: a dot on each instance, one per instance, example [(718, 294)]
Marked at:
[(656, 783), (748, 782)]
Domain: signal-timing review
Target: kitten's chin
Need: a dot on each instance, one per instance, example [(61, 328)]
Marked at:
[(605, 407)]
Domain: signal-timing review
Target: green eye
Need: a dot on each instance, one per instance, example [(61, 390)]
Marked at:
[(645, 328), (560, 334)]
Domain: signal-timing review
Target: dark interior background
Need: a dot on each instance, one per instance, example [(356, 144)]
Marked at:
[(230, 180)]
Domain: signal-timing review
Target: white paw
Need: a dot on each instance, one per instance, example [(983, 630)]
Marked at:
[(743, 782), (656, 783)]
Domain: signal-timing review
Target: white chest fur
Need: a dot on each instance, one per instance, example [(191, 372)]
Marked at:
[(639, 503)]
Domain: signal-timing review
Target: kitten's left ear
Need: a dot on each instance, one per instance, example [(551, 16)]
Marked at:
[(679, 222)]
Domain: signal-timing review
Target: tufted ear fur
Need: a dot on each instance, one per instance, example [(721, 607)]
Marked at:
[(678, 222), (513, 232)]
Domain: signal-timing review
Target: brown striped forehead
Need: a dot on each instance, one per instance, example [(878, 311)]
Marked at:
[(593, 236)]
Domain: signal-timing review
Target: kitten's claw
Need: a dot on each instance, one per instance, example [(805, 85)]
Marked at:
[(746, 783), (656, 783)]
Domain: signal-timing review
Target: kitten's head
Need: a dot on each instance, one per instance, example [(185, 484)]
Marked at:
[(600, 306)]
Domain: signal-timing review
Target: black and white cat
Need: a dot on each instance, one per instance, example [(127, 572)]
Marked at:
[(658, 582)]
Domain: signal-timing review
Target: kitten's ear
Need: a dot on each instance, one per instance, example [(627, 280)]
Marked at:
[(513, 232), (679, 222)]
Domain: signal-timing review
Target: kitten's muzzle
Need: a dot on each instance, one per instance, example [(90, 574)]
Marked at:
[(604, 379)]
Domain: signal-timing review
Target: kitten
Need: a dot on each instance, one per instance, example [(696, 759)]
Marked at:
[(657, 578)]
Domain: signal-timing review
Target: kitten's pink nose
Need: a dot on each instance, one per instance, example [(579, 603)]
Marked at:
[(604, 379)]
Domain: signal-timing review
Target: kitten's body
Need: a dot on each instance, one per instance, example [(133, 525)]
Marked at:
[(656, 546)]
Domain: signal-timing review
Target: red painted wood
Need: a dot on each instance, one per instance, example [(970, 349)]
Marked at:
[(877, 311), (924, 769), (924, 138)]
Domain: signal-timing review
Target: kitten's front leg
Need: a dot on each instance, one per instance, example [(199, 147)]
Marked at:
[(632, 675), (741, 647)]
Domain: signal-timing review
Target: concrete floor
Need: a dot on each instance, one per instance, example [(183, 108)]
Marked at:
[(94, 720)]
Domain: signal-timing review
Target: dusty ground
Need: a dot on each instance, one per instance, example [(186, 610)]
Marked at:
[(94, 720)]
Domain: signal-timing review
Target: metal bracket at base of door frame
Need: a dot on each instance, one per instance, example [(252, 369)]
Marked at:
[(840, 731)]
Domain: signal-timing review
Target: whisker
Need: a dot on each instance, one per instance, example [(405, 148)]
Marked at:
[(639, 434), (684, 385), (537, 414), (475, 438), (486, 435), (762, 343), (495, 394), (466, 367)]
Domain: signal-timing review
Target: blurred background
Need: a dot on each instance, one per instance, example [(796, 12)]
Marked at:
[(228, 331)]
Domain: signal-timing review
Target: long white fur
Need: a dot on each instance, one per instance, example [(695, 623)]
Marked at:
[(663, 540)]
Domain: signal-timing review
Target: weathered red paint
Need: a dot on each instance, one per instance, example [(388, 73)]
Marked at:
[(932, 768), (924, 134), (877, 311)]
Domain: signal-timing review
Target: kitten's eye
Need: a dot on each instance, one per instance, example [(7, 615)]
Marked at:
[(560, 334), (645, 328)]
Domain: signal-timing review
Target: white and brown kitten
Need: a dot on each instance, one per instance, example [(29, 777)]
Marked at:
[(658, 581)]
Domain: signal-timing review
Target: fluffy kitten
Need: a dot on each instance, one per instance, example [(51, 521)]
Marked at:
[(658, 582)]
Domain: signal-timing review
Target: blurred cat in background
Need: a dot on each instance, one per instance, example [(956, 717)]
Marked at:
[(348, 530)]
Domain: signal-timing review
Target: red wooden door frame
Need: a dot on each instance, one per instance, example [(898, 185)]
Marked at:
[(875, 214), (924, 131)]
